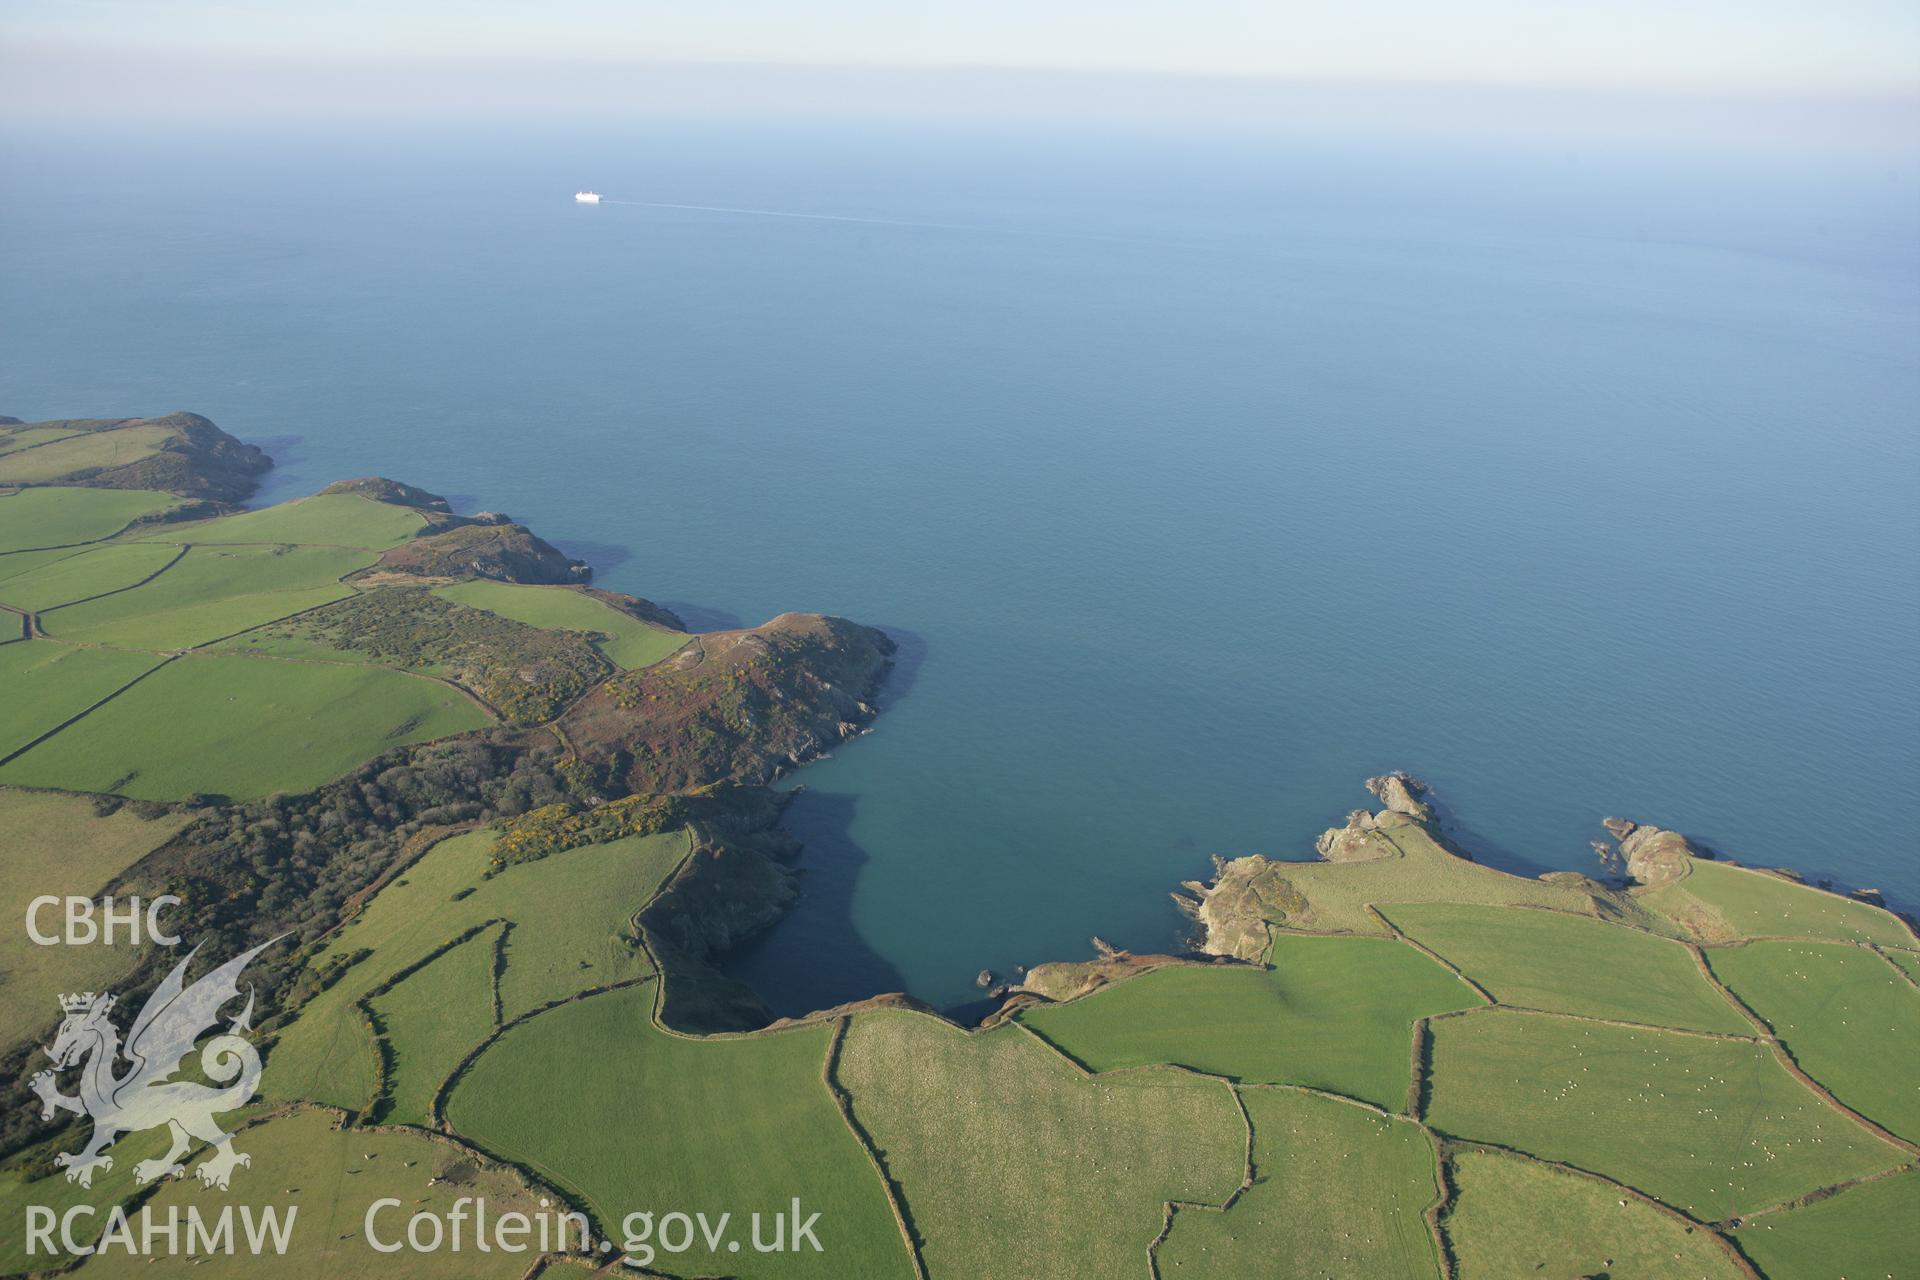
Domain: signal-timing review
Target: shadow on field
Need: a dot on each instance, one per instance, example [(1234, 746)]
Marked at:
[(814, 958)]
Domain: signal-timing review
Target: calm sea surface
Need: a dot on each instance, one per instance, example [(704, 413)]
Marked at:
[(1197, 479)]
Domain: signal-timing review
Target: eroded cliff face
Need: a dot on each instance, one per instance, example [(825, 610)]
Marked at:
[(740, 706)]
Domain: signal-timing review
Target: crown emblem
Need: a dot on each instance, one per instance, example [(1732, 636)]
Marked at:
[(82, 1002)]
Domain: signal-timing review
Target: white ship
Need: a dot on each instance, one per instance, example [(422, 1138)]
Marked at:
[(586, 197)]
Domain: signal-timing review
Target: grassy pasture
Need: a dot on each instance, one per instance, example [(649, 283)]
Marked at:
[(15, 563), (1908, 961), (46, 683), (331, 520), (90, 573), (1517, 1217), (572, 917), (1844, 1013), (13, 439), (56, 1193), (595, 1097), (1333, 1183), (1015, 1165), (624, 640), (1333, 896), (1715, 1127), (336, 1184), (61, 517), (241, 727), (212, 592), (1572, 964), (88, 452), (1332, 1013), (1718, 902), (56, 844), (1865, 1231), (432, 1019)]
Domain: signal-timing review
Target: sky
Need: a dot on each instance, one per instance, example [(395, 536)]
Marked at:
[(99, 57)]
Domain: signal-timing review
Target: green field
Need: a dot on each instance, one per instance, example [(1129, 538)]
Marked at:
[(1908, 961), (1572, 964), (1720, 903), (336, 1183), (1336, 1187), (56, 1193), (48, 683), (62, 517), (212, 592), (1844, 1013), (87, 452), (1865, 1231), (623, 639), (1517, 1217), (15, 563), (432, 1019), (90, 573), (595, 1097), (239, 727), (1715, 1127), (330, 519), (53, 844), (1015, 1165), (571, 914), (1332, 1013)]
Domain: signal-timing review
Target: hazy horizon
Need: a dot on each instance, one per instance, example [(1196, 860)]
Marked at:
[(1719, 73)]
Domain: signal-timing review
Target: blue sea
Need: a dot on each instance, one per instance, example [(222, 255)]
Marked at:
[(1198, 478)]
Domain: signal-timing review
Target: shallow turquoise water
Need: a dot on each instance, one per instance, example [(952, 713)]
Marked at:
[(1200, 480)]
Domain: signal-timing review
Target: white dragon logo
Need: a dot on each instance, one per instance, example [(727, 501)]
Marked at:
[(162, 1037)]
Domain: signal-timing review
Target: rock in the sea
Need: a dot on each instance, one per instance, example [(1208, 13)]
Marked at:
[(1400, 792), (983, 979)]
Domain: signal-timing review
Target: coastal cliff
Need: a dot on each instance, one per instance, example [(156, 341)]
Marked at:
[(181, 453)]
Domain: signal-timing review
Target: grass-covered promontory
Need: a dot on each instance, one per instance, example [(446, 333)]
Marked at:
[(170, 645)]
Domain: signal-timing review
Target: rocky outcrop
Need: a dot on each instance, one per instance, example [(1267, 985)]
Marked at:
[(394, 492), (502, 552), (743, 706), (1237, 910), (1400, 793), (1651, 855), (1353, 842)]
